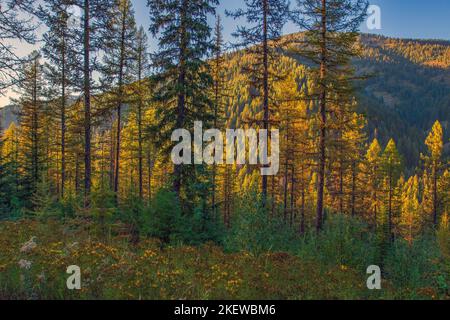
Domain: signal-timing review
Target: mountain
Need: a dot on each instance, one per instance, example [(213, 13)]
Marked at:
[(7, 115), (405, 90), (408, 90)]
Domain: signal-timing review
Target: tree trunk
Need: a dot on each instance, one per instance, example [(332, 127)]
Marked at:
[(119, 105), (323, 119), (63, 118), (266, 88), (181, 95), (87, 105)]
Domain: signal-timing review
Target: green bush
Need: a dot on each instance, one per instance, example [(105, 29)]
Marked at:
[(413, 266), (253, 230), (343, 241)]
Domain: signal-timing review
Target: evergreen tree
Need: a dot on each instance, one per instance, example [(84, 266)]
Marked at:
[(140, 71), (119, 38), (58, 41), (331, 33), (16, 23), (88, 38), (265, 19), (31, 113), (391, 168), (182, 81), (435, 144)]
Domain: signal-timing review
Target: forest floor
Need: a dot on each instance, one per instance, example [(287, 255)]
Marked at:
[(111, 268)]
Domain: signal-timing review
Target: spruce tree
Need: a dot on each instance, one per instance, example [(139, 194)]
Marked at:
[(58, 41), (141, 68), (31, 113), (182, 79), (88, 40)]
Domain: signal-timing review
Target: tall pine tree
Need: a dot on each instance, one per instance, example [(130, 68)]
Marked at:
[(260, 37)]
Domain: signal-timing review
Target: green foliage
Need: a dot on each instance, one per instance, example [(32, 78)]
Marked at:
[(253, 230), (413, 266), (344, 241), (164, 220)]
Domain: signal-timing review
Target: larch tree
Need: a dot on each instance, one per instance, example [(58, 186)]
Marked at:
[(391, 167), (119, 38), (141, 68), (371, 175), (410, 219), (331, 33), (433, 163), (94, 15), (260, 38)]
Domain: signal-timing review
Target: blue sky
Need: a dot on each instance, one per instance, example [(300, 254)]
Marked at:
[(425, 19)]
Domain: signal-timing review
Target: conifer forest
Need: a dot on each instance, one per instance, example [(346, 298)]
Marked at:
[(208, 154)]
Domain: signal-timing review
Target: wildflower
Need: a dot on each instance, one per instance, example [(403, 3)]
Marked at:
[(25, 264), (28, 246)]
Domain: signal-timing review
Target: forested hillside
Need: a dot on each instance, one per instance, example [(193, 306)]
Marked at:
[(104, 165), (407, 88)]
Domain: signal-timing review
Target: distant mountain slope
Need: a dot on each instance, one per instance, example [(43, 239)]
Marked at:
[(7, 115), (408, 92)]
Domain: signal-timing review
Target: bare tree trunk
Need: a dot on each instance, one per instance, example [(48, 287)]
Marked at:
[(119, 105), (292, 196), (181, 95), (435, 200), (63, 118), (323, 119), (87, 105), (353, 210), (266, 87)]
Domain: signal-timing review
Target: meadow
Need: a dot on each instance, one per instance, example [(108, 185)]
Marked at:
[(35, 254)]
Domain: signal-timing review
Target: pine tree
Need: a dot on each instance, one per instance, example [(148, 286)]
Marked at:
[(31, 113), (89, 41), (182, 80), (16, 24), (266, 19), (371, 171), (331, 33), (58, 41), (119, 38)]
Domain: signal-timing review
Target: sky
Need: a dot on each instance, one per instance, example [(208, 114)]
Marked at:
[(424, 19)]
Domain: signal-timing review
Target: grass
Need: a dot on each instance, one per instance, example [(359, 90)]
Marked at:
[(113, 269)]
